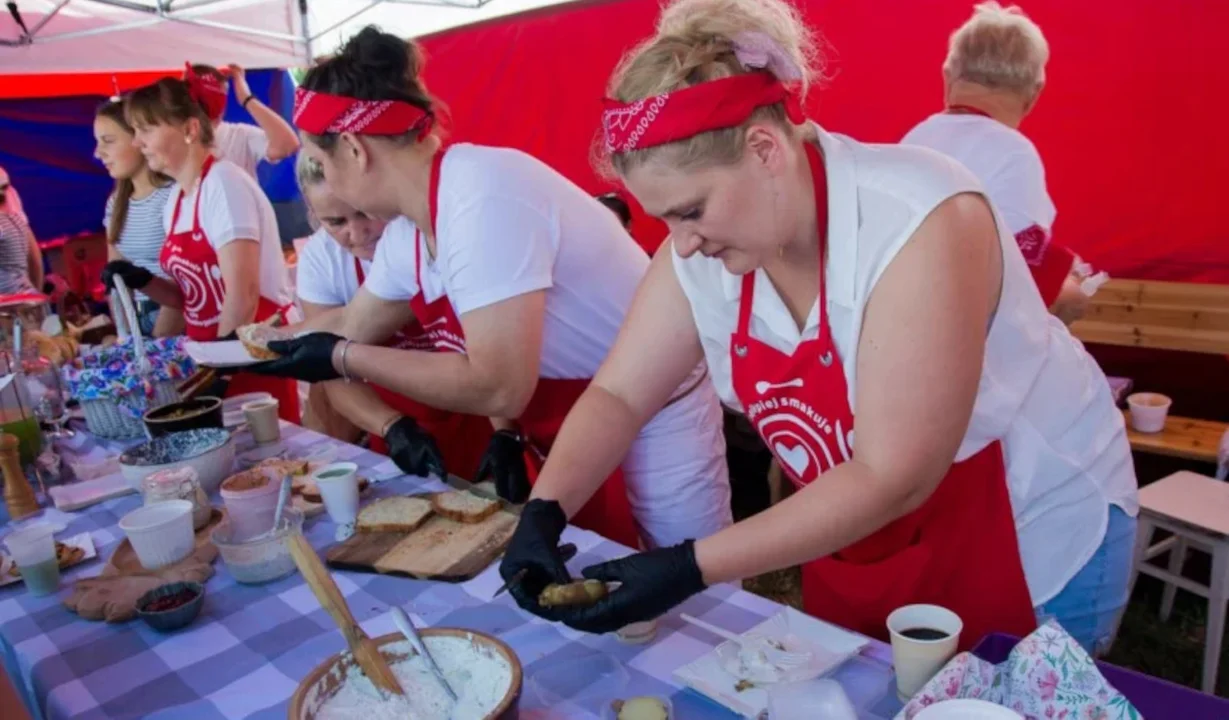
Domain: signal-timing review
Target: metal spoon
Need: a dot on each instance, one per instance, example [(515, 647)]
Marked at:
[(282, 496), (407, 628)]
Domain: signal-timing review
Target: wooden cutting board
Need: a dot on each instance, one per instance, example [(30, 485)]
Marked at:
[(440, 549)]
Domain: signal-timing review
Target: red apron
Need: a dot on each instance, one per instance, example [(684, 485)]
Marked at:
[(189, 258), (462, 438), (608, 512), (1049, 262), (958, 550)]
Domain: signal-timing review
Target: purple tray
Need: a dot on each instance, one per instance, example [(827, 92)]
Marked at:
[(1153, 697)]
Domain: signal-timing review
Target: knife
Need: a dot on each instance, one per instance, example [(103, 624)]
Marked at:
[(567, 551)]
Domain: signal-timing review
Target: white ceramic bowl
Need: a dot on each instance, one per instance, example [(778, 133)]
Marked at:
[(161, 534), (210, 452), (967, 710)]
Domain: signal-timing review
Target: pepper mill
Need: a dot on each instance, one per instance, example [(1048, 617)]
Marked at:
[(18, 495)]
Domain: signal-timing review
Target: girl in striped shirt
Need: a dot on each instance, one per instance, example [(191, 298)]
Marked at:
[(133, 216)]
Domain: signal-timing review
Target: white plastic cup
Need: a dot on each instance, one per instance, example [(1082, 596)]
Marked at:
[(251, 510), (917, 661), (161, 534), (31, 547), (1148, 411), (338, 483), (263, 421)]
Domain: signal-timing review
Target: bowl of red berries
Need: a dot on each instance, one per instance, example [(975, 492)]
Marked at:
[(170, 607)]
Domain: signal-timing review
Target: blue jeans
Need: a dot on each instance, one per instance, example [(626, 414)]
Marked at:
[(1089, 605), (147, 316)]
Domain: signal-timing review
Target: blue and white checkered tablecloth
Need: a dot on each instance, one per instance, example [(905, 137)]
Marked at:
[(243, 657)]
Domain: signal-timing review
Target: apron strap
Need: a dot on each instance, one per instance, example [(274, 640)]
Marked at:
[(196, 211), (358, 269)]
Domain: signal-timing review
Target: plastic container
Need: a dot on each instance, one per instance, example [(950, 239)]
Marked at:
[(590, 681), (180, 483), (811, 699), (33, 549), (160, 534), (251, 501), (1148, 411), (260, 560)]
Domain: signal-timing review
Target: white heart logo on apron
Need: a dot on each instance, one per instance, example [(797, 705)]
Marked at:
[(796, 457)]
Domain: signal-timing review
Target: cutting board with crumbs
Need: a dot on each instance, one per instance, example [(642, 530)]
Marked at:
[(440, 549)]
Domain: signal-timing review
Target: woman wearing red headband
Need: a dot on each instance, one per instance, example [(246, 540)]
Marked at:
[(992, 78), (825, 280), (520, 280), (271, 138), (222, 250)]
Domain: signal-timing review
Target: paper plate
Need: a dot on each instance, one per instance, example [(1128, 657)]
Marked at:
[(221, 354)]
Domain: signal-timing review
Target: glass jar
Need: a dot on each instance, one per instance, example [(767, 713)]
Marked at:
[(181, 483)]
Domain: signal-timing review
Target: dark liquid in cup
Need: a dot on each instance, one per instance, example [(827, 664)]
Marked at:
[(923, 633)]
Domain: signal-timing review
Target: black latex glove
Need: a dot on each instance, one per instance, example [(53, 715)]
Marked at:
[(134, 277), (308, 358), (535, 548), (652, 582), (413, 449), (504, 462)]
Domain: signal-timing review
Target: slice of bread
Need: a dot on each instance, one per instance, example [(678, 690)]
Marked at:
[(463, 506), (255, 339), (395, 514)]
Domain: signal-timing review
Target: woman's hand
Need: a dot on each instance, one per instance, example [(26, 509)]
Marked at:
[(308, 358), (504, 462), (535, 549), (414, 450), (651, 583), (239, 79), (135, 278)]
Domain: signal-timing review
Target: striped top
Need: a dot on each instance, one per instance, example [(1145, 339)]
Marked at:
[(14, 254), (141, 239)]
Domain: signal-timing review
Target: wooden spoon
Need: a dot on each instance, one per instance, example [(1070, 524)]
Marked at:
[(331, 599)]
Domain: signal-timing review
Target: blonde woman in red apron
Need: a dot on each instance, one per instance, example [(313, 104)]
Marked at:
[(519, 280), (332, 267), (222, 250), (841, 294)]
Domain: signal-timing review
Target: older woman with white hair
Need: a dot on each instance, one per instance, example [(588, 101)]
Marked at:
[(992, 79)]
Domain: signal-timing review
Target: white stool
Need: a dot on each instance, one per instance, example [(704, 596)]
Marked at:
[(1195, 509)]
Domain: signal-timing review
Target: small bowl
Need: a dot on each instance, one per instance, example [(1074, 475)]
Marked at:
[(325, 679), (160, 534), (209, 451), (175, 618), (201, 412), (257, 560)]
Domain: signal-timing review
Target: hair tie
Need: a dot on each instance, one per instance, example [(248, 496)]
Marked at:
[(757, 50)]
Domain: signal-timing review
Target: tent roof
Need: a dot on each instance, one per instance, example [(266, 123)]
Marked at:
[(73, 36)]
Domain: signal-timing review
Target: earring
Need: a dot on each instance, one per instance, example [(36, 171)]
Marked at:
[(187, 139)]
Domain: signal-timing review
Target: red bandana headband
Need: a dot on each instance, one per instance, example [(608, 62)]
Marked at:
[(320, 113), (681, 114), (206, 90)]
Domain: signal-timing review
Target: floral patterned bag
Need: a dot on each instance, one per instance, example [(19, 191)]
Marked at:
[(1048, 676)]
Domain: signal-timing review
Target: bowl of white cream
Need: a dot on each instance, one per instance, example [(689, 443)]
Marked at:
[(483, 671)]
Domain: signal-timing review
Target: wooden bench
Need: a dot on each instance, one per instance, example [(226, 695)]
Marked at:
[(1164, 316)]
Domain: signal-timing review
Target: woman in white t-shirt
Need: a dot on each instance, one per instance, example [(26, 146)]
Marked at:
[(824, 279), (222, 251), (270, 139), (992, 79), (332, 267), (520, 280), (133, 214)]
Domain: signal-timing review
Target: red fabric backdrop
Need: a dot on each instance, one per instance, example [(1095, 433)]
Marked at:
[(1130, 125)]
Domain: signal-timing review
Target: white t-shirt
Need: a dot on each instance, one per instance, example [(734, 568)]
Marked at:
[(326, 273), (233, 207), (1003, 159), (510, 225), (1041, 394), (244, 145)]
